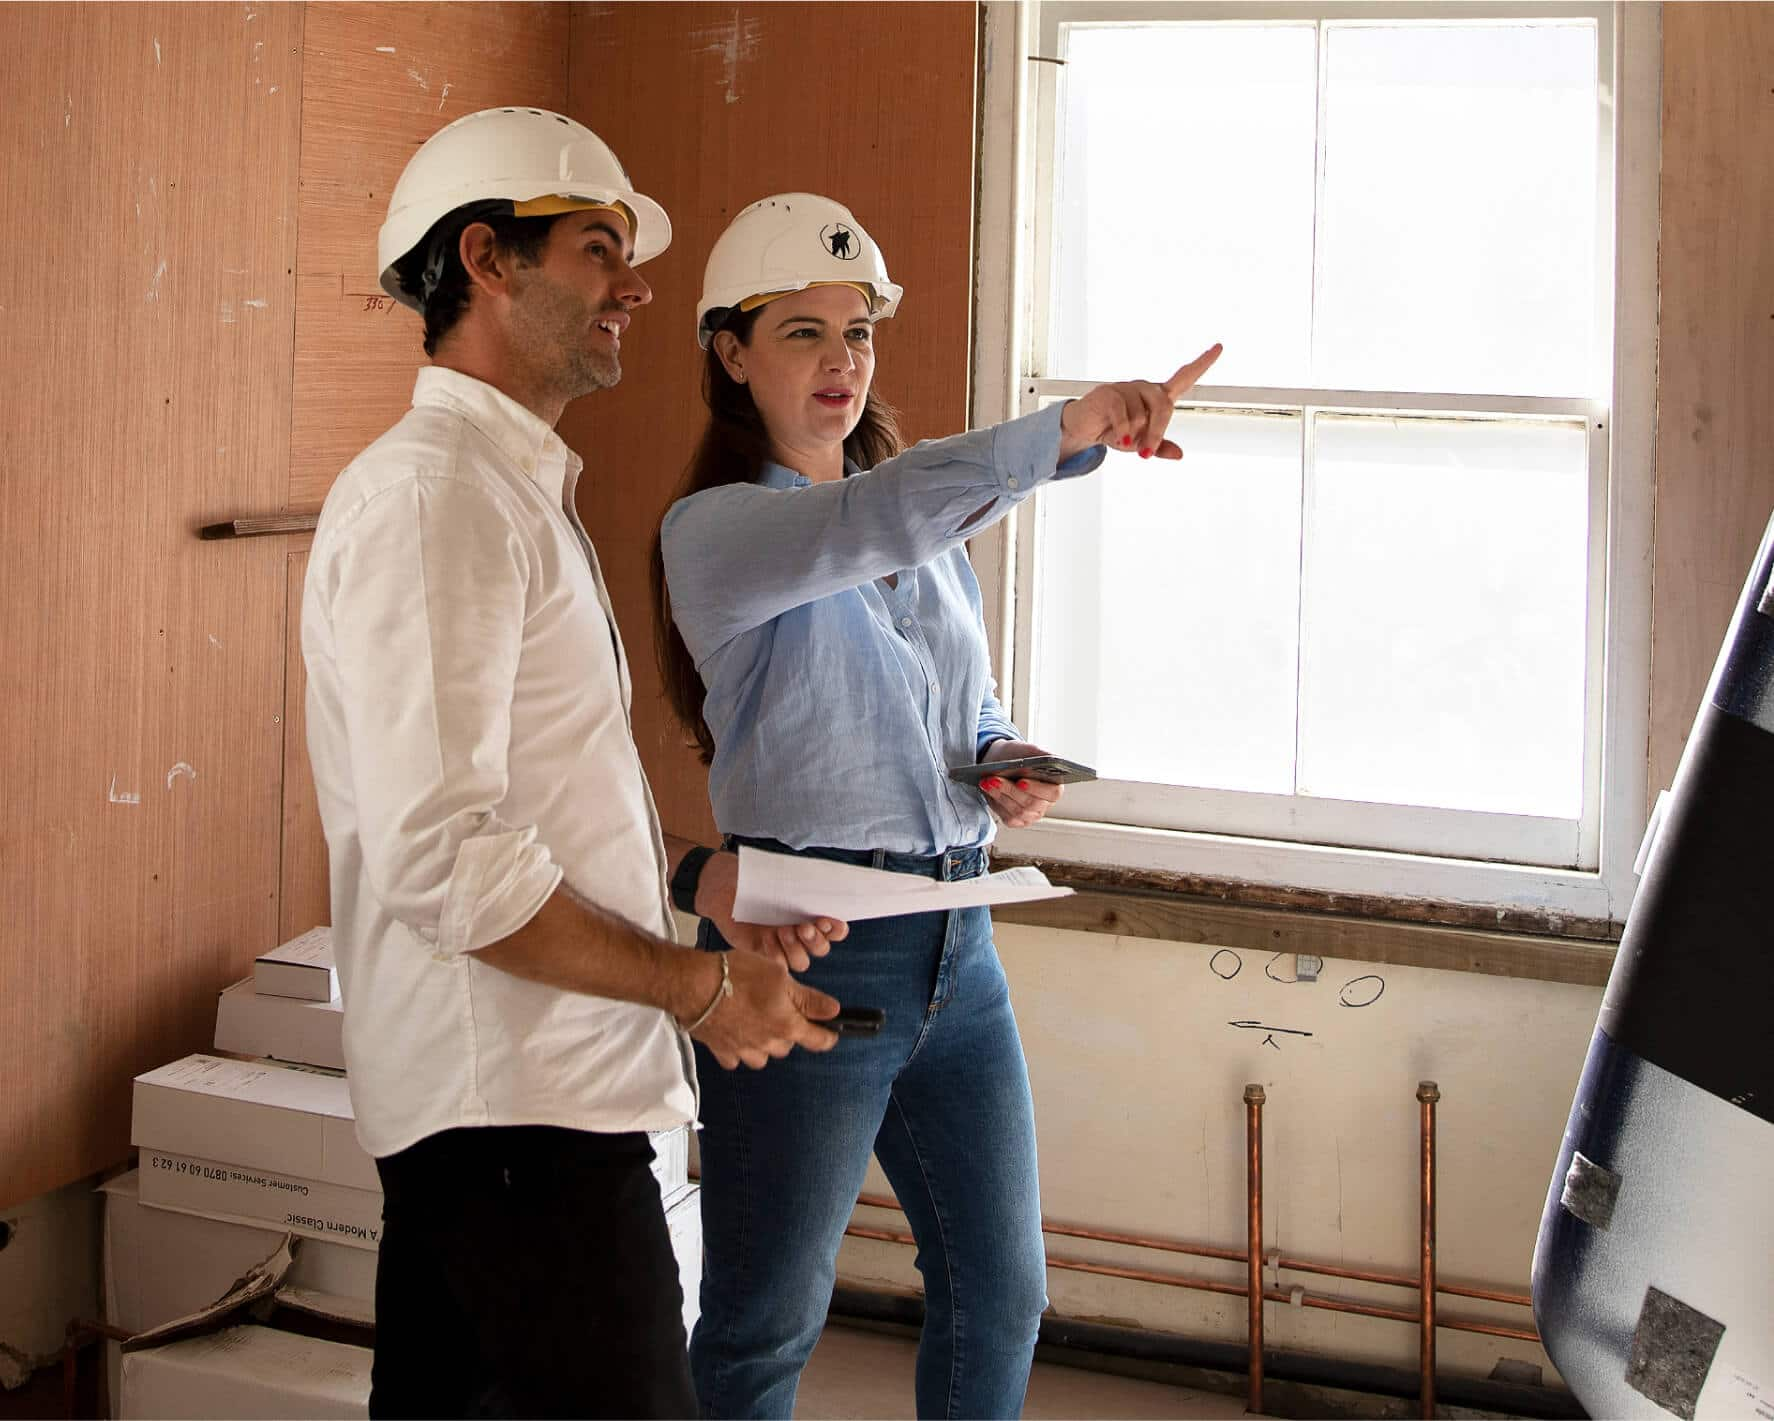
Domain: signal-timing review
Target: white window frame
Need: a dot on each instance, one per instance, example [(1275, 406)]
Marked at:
[(1243, 847)]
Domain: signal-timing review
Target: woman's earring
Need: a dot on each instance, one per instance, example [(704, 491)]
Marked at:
[(739, 377)]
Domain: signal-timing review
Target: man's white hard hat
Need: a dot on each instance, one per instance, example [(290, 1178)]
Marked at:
[(788, 242), (540, 162)]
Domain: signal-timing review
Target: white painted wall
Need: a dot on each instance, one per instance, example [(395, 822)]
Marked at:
[(1139, 1078)]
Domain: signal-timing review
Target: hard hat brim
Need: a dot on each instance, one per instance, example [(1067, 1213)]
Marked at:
[(714, 308), (406, 227)]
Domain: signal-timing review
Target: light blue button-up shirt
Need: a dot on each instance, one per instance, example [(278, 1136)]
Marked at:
[(838, 703)]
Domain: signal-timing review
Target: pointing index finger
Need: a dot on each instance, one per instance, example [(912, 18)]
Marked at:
[(1185, 378)]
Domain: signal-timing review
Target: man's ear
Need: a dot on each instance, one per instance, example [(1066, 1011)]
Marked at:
[(487, 267), (732, 354)]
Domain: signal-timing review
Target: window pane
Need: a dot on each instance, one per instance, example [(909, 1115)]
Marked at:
[(1183, 209), (1443, 614), (1459, 210), (1169, 601)]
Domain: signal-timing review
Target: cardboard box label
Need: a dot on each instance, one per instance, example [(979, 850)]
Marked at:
[(240, 1193)]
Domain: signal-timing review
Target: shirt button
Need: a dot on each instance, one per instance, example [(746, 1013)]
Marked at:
[(906, 622), (934, 688), (1013, 483)]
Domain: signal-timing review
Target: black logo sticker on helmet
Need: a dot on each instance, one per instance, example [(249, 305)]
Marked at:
[(840, 241)]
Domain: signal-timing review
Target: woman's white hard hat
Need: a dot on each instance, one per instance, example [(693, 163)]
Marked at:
[(788, 242), (529, 157)]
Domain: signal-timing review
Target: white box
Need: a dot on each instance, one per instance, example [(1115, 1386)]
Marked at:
[(160, 1265), (256, 1142), (308, 1033), (256, 1373), (302, 967)]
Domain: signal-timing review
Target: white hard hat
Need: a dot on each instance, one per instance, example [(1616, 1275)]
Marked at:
[(515, 155), (787, 243)]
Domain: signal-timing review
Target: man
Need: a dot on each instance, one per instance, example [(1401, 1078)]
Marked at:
[(516, 1014)]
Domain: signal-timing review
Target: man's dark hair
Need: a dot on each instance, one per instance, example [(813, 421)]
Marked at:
[(520, 238)]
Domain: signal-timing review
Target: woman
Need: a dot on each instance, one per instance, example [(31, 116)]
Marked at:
[(829, 657)]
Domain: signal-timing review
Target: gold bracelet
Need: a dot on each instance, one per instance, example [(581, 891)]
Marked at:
[(722, 992)]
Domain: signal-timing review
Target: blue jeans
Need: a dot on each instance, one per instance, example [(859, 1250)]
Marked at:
[(942, 1098)]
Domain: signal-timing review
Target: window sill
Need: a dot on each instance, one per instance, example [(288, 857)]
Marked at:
[(1449, 937), (1366, 883)]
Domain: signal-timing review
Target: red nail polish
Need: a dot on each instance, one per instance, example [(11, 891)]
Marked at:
[(1126, 441), (1145, 453), (990, 784)]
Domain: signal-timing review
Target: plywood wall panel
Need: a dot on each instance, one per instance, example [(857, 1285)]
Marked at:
[(1715, 409), (710, 107), (379, 79), (148, 299)]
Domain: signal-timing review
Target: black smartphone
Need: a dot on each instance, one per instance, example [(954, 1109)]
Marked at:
[(1048, 768), (856, 1021)]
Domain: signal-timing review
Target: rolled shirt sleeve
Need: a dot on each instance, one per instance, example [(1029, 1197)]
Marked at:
[(430, 582), (994, 722)]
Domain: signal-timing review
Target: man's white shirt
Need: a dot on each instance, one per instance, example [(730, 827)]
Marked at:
[(468, 726)]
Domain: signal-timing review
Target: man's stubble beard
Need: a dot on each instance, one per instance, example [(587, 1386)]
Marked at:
[(552, 317)]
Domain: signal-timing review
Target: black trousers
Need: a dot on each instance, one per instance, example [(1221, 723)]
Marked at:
[(527, 1271)]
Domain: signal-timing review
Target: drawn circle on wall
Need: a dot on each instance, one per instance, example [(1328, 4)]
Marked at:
[(1362, 991), (840, 241), (1269, 971), (1228, 968)]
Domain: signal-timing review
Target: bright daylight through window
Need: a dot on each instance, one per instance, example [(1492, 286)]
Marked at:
[(1369, 608)]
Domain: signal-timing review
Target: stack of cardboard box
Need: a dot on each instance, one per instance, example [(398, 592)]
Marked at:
[(235, 1154)]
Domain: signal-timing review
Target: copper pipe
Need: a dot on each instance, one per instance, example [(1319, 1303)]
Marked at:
[(1253, 1135), (1194, 1250), (1237, 1255), (1237, 1290), (1361, 1275), (1141, 1275), (1428, 1093)]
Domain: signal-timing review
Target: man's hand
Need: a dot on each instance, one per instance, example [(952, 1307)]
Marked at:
[(1017, 803), (794, 946), (1131, 415), (768, 1015)]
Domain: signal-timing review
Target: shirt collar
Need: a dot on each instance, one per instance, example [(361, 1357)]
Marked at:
[(774, 475), (518, 433)]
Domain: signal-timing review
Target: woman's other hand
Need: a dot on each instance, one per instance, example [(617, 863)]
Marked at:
[(1131, 415), (795, 946), (1017, 803)]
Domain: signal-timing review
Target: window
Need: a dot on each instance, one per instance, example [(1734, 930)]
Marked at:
[(1384, 628)]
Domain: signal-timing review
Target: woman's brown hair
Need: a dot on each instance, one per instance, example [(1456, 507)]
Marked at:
[(733, 450)]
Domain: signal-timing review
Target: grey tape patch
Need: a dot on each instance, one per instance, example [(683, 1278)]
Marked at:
[(1590, 1191), (1672, 1351)]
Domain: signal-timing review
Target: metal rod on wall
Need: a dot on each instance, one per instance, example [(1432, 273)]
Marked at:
[(259, 526)]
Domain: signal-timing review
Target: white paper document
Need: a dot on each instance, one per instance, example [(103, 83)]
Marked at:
[(775, 889)]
